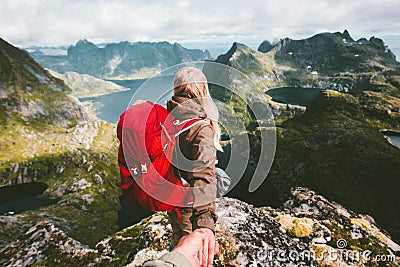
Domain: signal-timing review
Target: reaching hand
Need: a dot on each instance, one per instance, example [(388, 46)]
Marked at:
[(199, 247)]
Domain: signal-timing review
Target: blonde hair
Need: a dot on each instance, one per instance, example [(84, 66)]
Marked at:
[(192, 83)]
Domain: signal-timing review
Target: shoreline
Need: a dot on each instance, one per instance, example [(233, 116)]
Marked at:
[(98, 95)]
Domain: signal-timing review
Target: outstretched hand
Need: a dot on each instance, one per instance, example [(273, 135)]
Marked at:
[(199, 247)]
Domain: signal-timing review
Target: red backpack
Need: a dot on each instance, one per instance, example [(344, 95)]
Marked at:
[(147, 135)]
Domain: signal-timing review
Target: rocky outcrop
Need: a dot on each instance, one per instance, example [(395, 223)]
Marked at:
[(308, 230), (42, 243), (120, 60)]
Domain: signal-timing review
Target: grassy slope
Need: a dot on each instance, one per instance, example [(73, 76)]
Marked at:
[(84, 85), (47, 136)]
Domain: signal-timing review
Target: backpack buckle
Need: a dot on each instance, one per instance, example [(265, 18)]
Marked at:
[(134, 170), (144, 167)]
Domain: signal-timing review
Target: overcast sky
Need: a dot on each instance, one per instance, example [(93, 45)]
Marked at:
[(203, 23)]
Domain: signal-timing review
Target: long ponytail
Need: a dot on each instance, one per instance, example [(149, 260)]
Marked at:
[(192, 83)]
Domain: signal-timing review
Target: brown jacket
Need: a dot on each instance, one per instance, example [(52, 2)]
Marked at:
[(194, 160)]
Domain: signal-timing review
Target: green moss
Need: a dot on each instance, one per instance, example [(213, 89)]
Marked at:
[(58, 257), (123, 242), (3, 115), (86, 226)]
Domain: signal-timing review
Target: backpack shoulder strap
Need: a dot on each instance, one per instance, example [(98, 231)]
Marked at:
[(185, 125)]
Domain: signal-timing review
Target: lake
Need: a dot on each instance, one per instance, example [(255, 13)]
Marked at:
[(293, 95), (109, 107), (392, 136), (22, 197)]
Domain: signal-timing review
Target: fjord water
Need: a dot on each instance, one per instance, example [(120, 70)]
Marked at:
[(293, 95), (109, 107), (159, 89)]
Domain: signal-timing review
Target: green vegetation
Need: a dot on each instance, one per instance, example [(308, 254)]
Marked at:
[(30, 95), (85, 179), (336, 148)]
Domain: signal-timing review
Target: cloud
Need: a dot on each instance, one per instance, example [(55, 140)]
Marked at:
[(63, 22)]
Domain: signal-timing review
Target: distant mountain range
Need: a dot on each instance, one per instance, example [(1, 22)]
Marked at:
[(326, 60), (119, 60)]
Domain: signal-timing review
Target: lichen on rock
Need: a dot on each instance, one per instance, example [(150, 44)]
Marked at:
[(298, 227)]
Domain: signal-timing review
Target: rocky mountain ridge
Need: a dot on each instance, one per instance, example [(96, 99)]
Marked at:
[(122, 60)]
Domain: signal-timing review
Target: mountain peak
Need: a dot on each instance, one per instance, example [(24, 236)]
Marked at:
[(240, 46), (84, 42), (265, 46), (337, 51), (224, 58), (346, 35)]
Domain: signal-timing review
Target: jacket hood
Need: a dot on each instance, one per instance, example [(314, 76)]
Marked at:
[(185, 108)]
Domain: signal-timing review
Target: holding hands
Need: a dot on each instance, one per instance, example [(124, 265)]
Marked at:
[(199, 247)]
